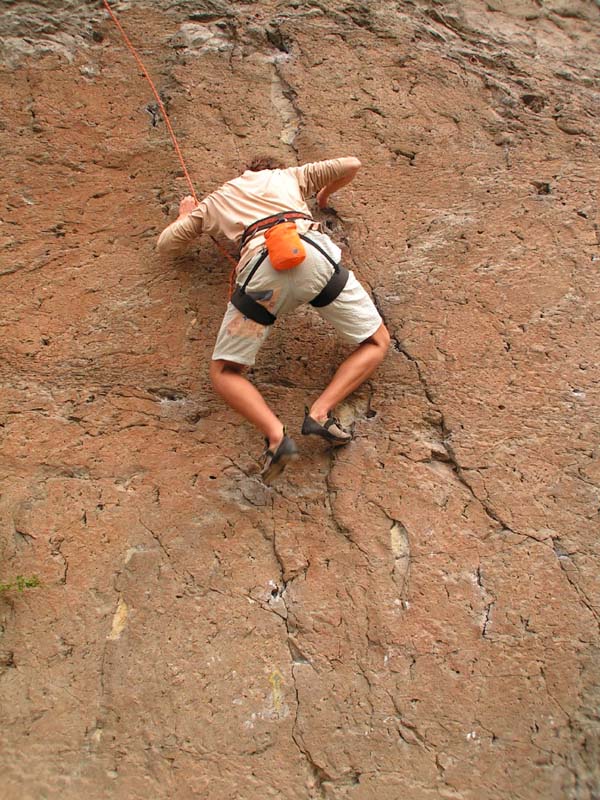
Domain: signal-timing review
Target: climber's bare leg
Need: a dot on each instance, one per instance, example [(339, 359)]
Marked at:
[(352, 372), (244, 397)]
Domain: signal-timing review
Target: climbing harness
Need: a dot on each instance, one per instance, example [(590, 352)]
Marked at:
[(254, 310), (246, 304), (281, 236), (335, 284), (268, 222), (282, 240), (165, 116)]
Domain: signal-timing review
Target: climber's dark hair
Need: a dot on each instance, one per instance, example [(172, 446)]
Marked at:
[(264, 162)]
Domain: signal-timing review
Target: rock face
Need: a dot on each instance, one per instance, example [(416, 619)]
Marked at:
[(414, 616)]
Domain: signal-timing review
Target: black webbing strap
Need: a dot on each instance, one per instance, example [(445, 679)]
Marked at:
[(259, 261), (268, 222), (332, 288), (250, 308), (247, 305), (335, 284)]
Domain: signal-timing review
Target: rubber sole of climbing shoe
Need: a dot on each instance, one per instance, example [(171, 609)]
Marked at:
[(277, 460), (331, 430)]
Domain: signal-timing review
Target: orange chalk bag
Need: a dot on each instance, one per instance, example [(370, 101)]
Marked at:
[(284, 246)]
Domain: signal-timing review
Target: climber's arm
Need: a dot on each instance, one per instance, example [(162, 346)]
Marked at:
[(325, 177), (177, 236), (350, 167)]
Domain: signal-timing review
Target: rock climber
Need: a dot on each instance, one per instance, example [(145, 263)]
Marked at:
[(245, 210)]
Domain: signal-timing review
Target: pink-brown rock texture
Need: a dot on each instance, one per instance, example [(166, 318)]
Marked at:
[(412, 617)]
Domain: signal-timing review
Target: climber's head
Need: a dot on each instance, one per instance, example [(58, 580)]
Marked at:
[(259, 163)]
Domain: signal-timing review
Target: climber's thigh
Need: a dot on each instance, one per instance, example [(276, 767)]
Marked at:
[(352, 313), (239, 338)]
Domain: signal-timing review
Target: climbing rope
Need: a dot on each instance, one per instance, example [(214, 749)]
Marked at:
[(165, 116)]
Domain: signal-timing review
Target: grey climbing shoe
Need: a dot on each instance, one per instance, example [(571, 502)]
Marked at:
[(276, 460), (331, 430)]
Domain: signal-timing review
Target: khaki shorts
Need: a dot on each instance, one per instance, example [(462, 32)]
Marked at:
[(352, 313)]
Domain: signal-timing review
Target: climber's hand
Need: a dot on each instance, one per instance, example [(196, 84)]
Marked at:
[(322, 198), (186, 205)]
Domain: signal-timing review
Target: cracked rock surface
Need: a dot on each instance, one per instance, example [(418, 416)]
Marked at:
[(414, 616)]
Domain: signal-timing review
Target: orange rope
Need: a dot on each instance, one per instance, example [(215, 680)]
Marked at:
[(156, 95), (163, 111)]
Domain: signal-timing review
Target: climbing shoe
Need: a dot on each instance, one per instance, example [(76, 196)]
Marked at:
[(276, 460), (331, 430)]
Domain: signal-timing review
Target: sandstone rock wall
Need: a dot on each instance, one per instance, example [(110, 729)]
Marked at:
[(415, 616)]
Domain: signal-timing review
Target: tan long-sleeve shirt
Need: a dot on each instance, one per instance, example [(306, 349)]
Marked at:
[(252, 196)]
